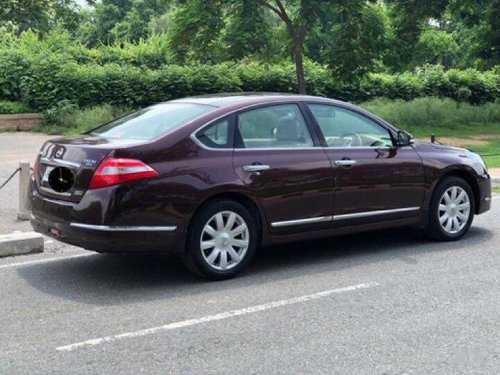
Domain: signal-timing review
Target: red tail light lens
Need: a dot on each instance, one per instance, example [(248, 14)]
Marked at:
[(113, 171)]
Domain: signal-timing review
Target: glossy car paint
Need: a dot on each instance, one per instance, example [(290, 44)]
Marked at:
[(302, 184)]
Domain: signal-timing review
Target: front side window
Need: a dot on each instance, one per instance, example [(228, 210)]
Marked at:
[(152, 122), (277, 126), (343, 128)]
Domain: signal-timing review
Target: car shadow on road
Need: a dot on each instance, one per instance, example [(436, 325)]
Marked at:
[(118, 279)]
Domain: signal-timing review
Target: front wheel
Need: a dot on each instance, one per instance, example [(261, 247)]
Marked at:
[(452, 210), (221, 241)]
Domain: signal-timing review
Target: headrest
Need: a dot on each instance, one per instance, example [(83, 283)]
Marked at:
[(287, 130)]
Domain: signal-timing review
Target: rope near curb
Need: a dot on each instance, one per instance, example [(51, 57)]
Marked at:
[(435, 140), (10, 178)]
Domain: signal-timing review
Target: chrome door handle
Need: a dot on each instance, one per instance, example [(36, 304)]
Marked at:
[(345, 163), (256, 167)]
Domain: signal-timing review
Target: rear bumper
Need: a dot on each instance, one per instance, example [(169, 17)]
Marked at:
[(76, 224)]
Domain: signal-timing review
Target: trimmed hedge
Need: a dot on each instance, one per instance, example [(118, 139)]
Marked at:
[(43, 82)]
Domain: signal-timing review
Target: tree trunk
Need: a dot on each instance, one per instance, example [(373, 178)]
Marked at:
[(299, 64)]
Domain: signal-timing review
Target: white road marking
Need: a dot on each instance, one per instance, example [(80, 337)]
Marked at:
[(212, 318), (47, 260)]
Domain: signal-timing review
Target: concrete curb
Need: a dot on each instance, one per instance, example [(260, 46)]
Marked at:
[(20, 243), (495, 182)]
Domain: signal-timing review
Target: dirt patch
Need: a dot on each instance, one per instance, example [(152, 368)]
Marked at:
[(473, 140)]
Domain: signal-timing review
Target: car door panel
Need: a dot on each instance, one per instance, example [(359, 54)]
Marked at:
[(387, 181), (374, 181), (289, 174), (298, 186)]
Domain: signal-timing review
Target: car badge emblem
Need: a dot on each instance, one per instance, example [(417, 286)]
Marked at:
[(59, 153)]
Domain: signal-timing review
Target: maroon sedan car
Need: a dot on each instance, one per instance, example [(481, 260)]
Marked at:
[(212, 178)]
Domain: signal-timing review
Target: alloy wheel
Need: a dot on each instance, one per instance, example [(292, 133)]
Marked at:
[(224, 240), (454, 209)]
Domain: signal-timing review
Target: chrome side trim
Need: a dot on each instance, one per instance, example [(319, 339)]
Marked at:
[(374, 213), (321, 219), (60, 162), (312, 220), (124, 228)]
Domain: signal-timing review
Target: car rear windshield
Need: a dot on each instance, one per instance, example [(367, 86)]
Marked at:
[(151, 122)]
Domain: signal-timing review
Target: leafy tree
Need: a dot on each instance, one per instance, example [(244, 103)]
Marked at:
[(436, 47), (476, 27), (353, 38), (39, 15), (247, 30), (298, 16), (195, 30), (120, 20), (409, 19)]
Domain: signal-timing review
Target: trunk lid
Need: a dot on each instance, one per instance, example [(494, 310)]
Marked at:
[(66, 165)]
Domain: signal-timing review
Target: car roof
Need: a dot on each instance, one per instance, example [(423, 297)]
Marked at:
[(223, 100)]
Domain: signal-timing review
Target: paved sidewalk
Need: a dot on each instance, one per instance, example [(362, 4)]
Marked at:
[(495, 176), (14, 148)]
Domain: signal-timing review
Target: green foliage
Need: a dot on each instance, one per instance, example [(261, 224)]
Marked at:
[(436, 47), (462, 85), (434, 112), (44, 72), (354, 39), (195, 31), (247, 30), (7, 107), (40, 15), (72, 120)]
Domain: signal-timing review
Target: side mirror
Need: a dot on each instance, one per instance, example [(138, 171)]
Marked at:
[(403, 139)]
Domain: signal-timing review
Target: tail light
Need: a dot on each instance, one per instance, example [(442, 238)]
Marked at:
[(113, 171)]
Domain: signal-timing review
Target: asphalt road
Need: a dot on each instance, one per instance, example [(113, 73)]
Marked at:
[(386, 302)]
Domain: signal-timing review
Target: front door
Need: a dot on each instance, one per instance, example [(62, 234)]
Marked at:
[(279, 160), (374, 181)]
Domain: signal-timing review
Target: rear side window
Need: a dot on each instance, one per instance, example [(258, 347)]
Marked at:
[(216, 135), (277, 126), (152, 122)]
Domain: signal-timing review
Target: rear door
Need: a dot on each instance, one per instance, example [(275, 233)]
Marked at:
[(374, 181), (278, 158)]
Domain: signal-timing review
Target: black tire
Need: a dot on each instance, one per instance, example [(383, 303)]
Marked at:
[(196, 259), (436, 230)]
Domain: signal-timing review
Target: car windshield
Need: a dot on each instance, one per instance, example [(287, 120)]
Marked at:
[(151, 122)]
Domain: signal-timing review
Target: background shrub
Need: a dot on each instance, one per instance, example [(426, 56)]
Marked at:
[(7, 107), (45, 72)]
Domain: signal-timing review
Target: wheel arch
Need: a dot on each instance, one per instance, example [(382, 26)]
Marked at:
[(240, 198), (468, 177)]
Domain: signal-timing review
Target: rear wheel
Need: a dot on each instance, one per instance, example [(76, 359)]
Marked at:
[(452, 210), (221, 241)]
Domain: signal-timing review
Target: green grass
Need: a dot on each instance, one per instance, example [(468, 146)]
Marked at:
[(493, 147), (445, 118), (435, 115), (423, 131), (496, 189)]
